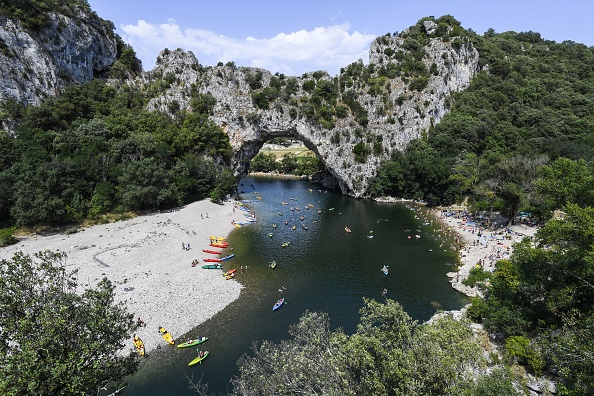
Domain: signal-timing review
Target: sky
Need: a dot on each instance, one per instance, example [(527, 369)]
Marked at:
[(294, 37)]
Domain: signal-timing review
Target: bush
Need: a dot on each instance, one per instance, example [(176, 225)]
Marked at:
[(476, 275), (7, 236)]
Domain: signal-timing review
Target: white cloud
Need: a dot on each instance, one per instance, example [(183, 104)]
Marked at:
[(323, 48)]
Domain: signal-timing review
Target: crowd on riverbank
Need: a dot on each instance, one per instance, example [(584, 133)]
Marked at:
[(477, 244)]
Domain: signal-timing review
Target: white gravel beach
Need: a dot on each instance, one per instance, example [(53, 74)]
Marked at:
[(144, 259)]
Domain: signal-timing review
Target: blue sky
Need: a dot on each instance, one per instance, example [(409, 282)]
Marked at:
[(293, 37)]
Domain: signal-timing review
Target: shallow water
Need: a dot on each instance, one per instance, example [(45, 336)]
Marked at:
[(323, 269)]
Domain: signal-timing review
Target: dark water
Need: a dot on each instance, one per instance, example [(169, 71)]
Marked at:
[(323, 269)]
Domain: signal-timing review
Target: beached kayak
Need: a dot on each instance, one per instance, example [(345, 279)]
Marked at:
[(213, 266), (217, 238), (166, 336), (212, 259), (190, 343), (221, 245), (230, 272), (212, 251), (139, 345), (199, 359)]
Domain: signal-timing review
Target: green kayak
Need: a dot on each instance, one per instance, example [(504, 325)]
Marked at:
[(199, 359), (190, 343)]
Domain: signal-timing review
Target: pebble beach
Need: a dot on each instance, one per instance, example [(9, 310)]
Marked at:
[(143, 257)]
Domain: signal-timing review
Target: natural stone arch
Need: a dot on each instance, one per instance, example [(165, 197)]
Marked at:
[(396, 112), (245, 152)]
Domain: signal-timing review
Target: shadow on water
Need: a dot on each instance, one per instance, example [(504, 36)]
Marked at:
[(324, 269)]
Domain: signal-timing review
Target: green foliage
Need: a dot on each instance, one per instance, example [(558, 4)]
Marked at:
[(520, 347), (389, 354), (94, 150), (361, 152), (476, 276), (7, 236), (263, 162), (34, 14), (55, 339)]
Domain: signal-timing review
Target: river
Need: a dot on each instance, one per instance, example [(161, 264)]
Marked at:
[(323, 269)]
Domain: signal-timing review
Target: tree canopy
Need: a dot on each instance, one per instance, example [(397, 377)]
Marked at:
[(57, 339)]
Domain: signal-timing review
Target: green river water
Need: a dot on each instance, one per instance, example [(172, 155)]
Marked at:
[(324, 269)]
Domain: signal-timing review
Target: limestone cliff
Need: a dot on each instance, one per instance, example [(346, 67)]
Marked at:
[(36, 64), (352, 121)]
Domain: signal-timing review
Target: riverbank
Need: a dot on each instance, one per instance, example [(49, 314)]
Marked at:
[(144, 259), (477, 245)]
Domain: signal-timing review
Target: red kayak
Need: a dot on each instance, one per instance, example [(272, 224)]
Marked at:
[(220, 245), (211, 251), (213, 260)]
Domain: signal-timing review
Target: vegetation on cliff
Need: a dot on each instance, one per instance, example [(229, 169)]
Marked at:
[(95, 150), (532, 102)]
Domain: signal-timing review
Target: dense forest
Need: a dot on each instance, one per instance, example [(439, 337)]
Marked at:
[(521, 137)]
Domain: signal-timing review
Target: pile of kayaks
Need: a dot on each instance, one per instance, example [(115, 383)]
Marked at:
[(230, 274)]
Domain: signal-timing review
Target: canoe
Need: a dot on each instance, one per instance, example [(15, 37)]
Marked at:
[(212, 251), (213, 266), (278, 304), (273, 264), (213, 259), (190, 343), (227, 257), (217, 238), (139, 345), (166, 336), (230, 272), (199, 359)]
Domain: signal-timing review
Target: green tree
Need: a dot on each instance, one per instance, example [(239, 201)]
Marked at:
[(310, 363), (55, 339)]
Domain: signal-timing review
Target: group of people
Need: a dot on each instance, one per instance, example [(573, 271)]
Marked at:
[(195, 262), (185, 245)]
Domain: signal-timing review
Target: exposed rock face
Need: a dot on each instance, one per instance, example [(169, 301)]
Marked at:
[(396, 113), (37, 65)]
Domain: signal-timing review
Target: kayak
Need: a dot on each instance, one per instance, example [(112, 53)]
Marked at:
[(217, 238), (190, 343), (213, 266), (139, 345), (211, 251), (273, 264), (229, 276), (278, 304), (227, 257), (166, 336), (347, 229), (230, 272), (221, 245), (199, 359), (213, 260)]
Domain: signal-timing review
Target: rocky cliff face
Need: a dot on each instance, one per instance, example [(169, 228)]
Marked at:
[(396, 110), (35, 65)]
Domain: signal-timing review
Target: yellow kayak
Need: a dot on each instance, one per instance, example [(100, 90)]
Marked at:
[(139, 345), (166, 336), (217, 238)]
